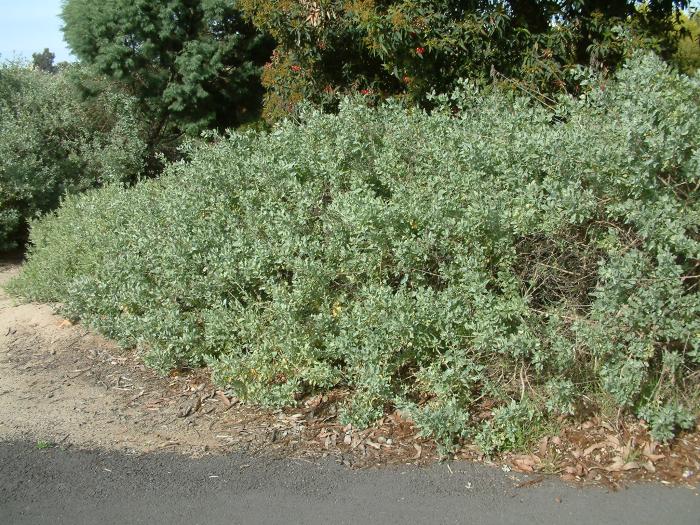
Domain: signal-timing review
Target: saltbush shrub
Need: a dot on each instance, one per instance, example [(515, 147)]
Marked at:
[(493, 255), (54, 141)]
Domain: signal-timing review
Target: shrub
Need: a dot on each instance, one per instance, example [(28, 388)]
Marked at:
[(53, 142), (491, 250), (510, 428)]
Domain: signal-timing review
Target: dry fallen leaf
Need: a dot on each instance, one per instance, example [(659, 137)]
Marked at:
[(525, 463), (613, 440), (619, 465), (607, 426), (224, 399), (594, 447), (419, 451), (372, 444)]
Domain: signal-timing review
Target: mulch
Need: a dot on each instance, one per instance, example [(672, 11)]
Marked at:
[(595, 451)]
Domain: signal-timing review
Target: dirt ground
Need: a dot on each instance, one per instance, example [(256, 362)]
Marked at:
[(62, 385)]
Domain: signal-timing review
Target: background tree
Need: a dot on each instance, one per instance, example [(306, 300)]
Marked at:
[(44, 61), (410, 47), (688, 55), (54, 141), (195, 64)]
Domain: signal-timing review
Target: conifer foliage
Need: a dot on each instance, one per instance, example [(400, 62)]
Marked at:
[(194, 63)]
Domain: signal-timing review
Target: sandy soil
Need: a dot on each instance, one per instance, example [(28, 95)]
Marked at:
[(61, 384)]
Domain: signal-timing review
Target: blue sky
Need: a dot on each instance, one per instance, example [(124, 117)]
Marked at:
[(28, 26)]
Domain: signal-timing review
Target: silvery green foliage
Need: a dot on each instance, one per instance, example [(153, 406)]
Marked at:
[(667, 419), (52, 142), (427, 261), (511, 427)]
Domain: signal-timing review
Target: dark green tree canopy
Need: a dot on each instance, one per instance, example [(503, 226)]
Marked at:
[(194, 63), (409, 47), (44, 61)]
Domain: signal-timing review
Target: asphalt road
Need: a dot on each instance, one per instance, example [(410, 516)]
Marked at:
[(75, 487)]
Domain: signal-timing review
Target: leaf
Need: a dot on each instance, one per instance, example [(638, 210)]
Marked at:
[(372, 444), (419, 451), (619, 465), (613, 440), (224, 399), (594, 447), (525, 463)]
